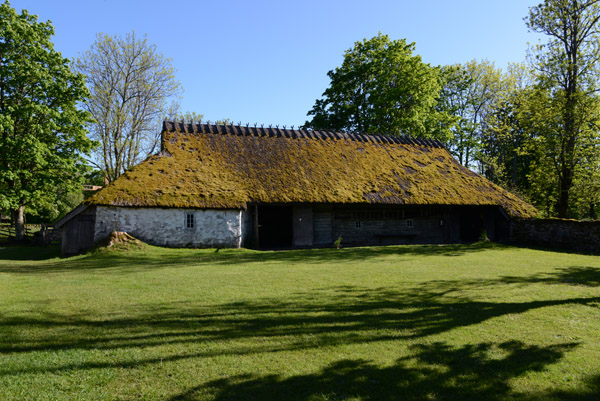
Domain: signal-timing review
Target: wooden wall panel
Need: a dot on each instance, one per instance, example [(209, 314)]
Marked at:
[(303, 225), (322, 227)]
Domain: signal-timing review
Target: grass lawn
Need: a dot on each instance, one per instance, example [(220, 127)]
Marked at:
[(477, 322)]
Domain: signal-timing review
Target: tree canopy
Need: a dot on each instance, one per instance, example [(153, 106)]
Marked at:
[(568, 74), (130, 83), (381, 87), (468, 93), (42, 132)]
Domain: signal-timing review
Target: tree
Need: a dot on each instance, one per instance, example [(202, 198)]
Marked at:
[(469, 91), (567, 68), (586, 186), (64, 199), (130, 84), (542, 116), (42, 132), (381, 87), (503, 155), (187, 117)]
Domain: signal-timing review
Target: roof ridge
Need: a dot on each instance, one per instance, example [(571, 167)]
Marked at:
[(247, 130)]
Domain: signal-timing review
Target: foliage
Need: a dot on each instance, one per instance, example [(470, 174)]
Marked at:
[(381, 87), (503, 152), (188, 117), (338, 242), (586, 186), (130, 84), (567, 67), (477, 322), (95, 177), (42, 132), (543, 117), (62, 202), (469, 91)]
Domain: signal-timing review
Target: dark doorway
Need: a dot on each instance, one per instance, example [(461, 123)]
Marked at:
[(275, 227), (471, 224), (501, 226)]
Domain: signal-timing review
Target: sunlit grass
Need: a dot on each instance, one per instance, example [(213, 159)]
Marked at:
[(479, 321)]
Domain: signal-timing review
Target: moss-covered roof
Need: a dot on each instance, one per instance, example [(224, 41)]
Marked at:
[(203, 166)]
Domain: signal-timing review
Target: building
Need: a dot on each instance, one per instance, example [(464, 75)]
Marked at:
[(233, 186)]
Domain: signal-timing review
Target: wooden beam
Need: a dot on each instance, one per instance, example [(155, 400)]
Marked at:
[(256, 242)]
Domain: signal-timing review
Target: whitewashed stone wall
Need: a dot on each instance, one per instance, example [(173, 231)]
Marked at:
[(167, 227)]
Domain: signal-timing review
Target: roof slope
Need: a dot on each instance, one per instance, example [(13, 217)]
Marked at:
[(218, 166)]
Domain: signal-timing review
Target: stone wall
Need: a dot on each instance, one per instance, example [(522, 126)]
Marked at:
[(581, 236), (167, 227)]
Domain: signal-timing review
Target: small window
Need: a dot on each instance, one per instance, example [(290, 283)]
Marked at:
[(358, 224), (189, 220), (409, 223)]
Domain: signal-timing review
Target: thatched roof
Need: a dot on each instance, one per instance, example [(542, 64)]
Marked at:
[(222, 166)]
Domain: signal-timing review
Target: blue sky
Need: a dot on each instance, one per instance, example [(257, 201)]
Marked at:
[(266, 61)]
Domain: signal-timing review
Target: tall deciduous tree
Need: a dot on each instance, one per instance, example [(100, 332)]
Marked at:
[(381, 87), (543, 117), (568, 74), (131, 84), (503, 156), (42, 132), (469, 91)]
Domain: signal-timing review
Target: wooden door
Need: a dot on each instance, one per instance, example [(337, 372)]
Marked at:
[(303, 226)]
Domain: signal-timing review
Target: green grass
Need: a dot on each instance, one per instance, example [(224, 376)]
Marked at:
[(477, 322)]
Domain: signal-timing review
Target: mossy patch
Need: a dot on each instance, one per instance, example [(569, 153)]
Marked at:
[(228, 171)]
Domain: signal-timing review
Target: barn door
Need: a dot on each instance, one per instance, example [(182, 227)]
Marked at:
[(303, 226)]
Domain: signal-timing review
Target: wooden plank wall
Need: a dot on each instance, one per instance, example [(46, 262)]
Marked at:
[(386, 225), (302, 217), (357, 228), (323, 226), (78, 233)]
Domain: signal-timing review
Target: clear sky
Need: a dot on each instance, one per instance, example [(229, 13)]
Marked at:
[(266, 61)]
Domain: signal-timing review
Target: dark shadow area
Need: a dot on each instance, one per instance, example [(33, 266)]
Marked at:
[(101, 259), (574, 275), (542, 248), (442, 373), (275, 227), (471, 225), (588, 276), (28, 252)]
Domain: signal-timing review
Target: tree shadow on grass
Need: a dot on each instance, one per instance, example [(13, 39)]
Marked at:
[(304, 321), (433, 372), (546, 248), (584, 276), (573, 275), (28, 252), (153, 257)]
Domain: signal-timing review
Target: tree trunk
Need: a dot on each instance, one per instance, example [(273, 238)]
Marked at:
[(563, 202), (19, 221), (567, 155), (565, 184), (514, 168)]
